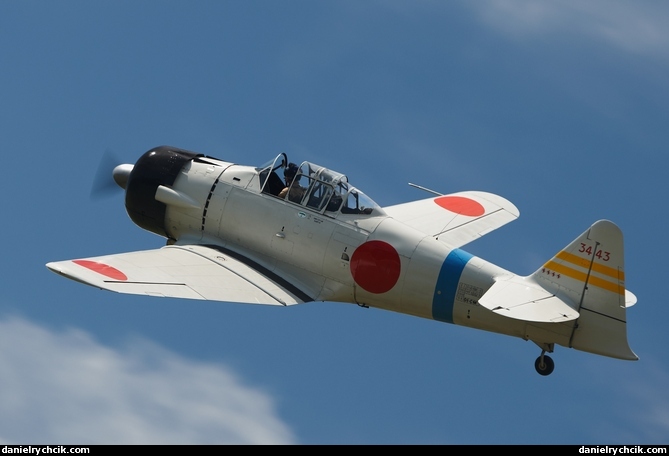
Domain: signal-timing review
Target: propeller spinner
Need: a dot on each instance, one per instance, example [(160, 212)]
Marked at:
[(103, 186), (121, 174)]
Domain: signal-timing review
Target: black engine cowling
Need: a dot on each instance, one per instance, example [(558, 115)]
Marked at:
[(159, 166)]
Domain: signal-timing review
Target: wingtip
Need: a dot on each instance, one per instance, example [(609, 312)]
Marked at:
[(56, 268)]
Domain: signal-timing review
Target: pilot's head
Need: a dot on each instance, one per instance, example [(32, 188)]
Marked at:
[(290, 172)]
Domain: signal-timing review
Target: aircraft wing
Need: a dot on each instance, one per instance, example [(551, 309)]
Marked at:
[(191, 271), (458, 218)]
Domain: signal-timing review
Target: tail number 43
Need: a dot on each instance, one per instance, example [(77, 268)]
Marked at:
[(588, 250)]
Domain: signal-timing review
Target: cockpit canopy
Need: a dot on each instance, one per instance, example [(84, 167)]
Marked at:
[(319, 189)]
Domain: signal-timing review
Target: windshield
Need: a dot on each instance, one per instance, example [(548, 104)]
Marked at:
[(315, 187)]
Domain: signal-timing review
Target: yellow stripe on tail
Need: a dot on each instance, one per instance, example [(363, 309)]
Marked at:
[(589, 274)]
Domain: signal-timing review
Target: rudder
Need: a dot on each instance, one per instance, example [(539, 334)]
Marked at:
[(589, 272)]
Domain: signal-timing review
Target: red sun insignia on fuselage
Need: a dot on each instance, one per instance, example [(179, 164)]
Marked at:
[(461, 205), (375, 266)]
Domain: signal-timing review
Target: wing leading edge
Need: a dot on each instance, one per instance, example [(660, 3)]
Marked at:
[(192, 272), (458, 218)]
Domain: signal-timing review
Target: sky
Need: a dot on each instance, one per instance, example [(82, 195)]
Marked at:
[(561, 107)]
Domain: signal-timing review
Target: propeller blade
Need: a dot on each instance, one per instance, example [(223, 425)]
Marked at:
[(105, 182)]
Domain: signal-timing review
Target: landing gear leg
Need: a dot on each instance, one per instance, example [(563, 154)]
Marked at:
[(544, 364)]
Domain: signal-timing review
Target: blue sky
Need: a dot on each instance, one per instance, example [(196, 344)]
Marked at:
[(562, 107)]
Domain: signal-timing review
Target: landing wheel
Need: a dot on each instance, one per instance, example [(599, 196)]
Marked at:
[(544, 365)]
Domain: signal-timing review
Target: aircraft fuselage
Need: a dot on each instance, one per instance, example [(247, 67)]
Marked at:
[(369, 260)]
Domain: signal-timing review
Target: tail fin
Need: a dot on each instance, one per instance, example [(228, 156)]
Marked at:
[(589, 272)]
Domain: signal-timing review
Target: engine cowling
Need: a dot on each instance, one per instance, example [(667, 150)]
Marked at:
[(158, 166)]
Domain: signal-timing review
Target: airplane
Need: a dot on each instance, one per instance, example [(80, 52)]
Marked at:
[(244, 234)]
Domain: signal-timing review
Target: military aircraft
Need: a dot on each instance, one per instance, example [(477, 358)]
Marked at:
[(243, 234)]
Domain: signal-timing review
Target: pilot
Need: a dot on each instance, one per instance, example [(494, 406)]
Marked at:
[(294, 192)]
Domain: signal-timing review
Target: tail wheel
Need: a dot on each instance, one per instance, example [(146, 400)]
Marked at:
[(544, 365)]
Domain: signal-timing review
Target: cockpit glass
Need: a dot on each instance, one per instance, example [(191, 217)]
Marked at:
[(270, 182), (315, 187), (358, 203)]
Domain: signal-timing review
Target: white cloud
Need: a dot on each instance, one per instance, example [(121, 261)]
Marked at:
[(636, 27), (64, 387)]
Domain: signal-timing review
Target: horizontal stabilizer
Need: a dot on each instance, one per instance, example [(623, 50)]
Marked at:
[(630, 298), (523, 299)]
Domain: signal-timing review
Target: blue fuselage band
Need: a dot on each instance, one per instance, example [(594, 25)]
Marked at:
[(447, 285)]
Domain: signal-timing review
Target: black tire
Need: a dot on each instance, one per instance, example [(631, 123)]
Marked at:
[(546, 368)]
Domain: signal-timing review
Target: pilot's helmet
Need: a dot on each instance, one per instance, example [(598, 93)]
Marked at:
[(290, 172)]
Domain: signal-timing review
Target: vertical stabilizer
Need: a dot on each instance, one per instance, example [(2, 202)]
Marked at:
[(589, 272)]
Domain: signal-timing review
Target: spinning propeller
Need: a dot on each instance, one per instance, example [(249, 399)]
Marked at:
[(109, 166)]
